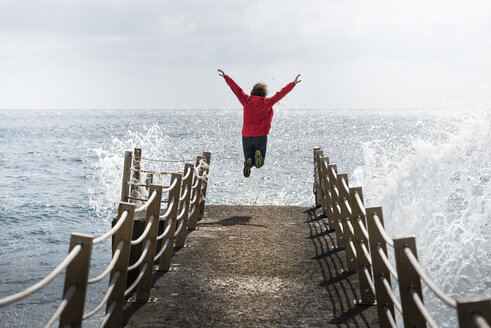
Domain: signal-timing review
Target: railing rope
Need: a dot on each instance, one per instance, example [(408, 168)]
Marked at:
[(437, 291), (111, 265), (111, 232), (147, 204), (68, 296), (109, 291), (45, 281)]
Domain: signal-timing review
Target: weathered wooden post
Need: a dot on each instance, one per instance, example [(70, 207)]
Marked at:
[(360, 239), (324, 187), (153, 210), (123, 234), (474, 311), (204, 184), (335, 220), (195, 196), (125, 188), (77, 274), (380, 270), (409, 282), (317, 153), (136, 175), (184, 204), (148, 180), (346, 220), (170, 223)]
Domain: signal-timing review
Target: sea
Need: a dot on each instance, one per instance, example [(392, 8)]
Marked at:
[(60, 172)]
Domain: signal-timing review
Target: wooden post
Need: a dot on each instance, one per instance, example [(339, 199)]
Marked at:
[(361, 244), (469, 307), (184, 205), (123, 233), (204, 185), (166, 257), (148, 180), (323, 185), (317, 192), (77, 273), (379, 268), (145, 284), (346, 217), (408, 278), (195, 198), (136, 176), (125, 188)]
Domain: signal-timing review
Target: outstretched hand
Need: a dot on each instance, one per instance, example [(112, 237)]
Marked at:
[(297, 80), (221, 73)]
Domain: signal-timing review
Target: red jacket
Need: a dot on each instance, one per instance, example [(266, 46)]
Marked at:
[(258, 111)]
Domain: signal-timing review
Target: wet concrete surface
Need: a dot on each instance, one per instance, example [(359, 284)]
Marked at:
[(255, 266)]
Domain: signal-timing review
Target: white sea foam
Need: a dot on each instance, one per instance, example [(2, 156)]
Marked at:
[(438, 189)]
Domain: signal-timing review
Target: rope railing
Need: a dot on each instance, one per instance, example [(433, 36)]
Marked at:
[(369, 279), (386, 262), (109, 291), (45, 281), (166, 160), (437, 291), (368, 236), (167, 230), (359, 202), (68, 296), (109, 313), (128, 291), (172, 186), (147, 204), (111, 265), (168, 211), (113, 230), (184, 195), (389, 316), (144, 233), (389, 291), (362, 228), (479, 321), (365, 252), (352, 246), (382, 231), (142, 256), (421, 307), (162, 250)]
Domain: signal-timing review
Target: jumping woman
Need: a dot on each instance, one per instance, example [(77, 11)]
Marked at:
[(258, 114)]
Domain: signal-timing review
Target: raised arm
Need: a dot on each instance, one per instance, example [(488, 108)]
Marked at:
[(239, 93), (283, 92)]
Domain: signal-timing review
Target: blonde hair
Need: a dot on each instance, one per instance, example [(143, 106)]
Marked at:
[(260, 89)]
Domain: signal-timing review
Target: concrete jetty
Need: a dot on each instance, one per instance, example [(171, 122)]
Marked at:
[(255, 266)]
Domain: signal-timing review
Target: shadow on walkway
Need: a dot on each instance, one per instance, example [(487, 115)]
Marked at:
[(232, 221), (341, 285)]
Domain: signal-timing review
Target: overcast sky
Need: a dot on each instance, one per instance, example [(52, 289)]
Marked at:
[(164, 54)]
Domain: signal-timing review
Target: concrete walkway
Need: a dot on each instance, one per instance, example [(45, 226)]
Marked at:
[(255, 266)]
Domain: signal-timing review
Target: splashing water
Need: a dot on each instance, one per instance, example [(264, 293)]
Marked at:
[(436, 186)]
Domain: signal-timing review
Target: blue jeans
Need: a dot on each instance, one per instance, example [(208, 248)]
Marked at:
[(251, 144)]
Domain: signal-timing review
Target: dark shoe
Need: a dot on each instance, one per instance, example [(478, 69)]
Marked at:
[(258, 159), (247, 167)]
